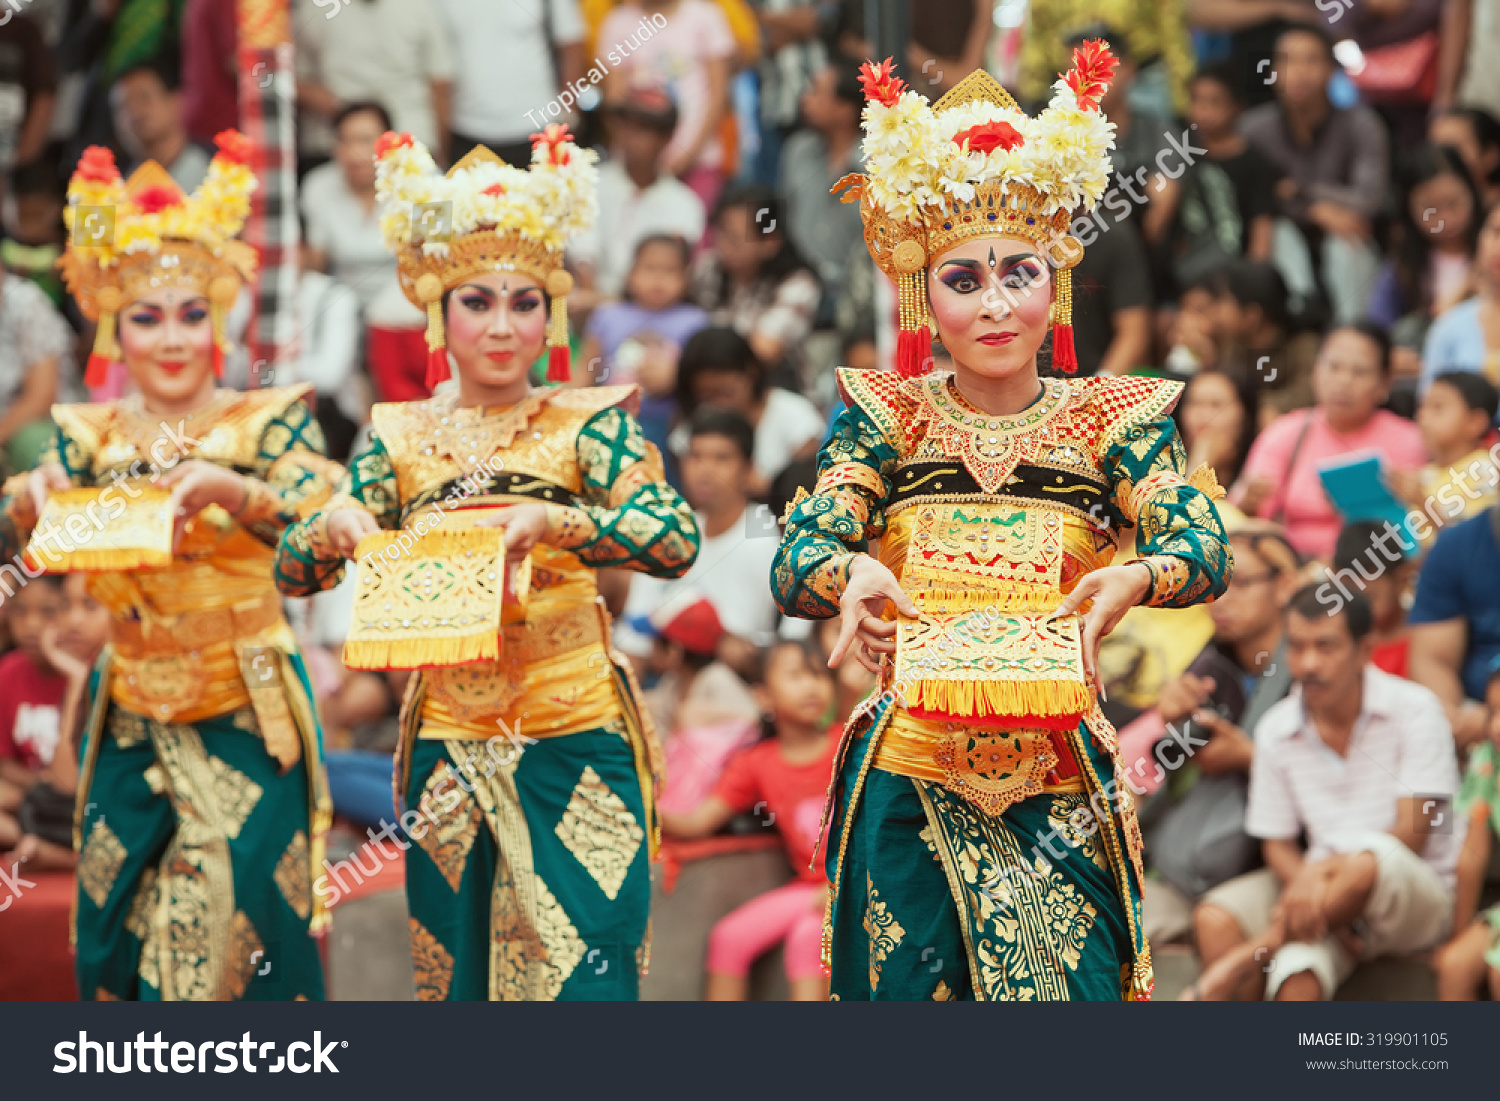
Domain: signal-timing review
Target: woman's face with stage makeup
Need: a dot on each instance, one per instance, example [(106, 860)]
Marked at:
[(497, 325), (166, 339), (990, 298)]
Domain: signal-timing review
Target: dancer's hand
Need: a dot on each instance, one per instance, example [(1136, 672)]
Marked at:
[(195, 485), (347, 526), (524, 527), (870, 586), (1114, 591), (46, 479)]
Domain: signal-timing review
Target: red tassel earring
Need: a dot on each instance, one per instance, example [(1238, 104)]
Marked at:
[(913, 336), (429, 290), (1064, 355), (106, 350), (559, 353)]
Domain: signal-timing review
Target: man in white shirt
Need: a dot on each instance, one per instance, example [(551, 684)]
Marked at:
[(1363, 765), (636, 198), (394, 52), (511, 57), (733, 568)]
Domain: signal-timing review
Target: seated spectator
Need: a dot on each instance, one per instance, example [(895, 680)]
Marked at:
[(343, 240), (1280, 481), (691, 52), (1369, 557), (69, 647), (1354, 763), (719, 368), (637, 199), (756, 282), (783, 779), (1434, 239), (1251, 28), (1228, 205), (148, 119), (1334, 164), (1470, 962), (739, 542), (1475, 133), (1458, 339), (1202, 731), (822, 227), (36, 366), (1190, 328), (31, 698), (703, 710), (1112, 299), (1259, 340), (34, 230), (1455, 635), (1455, 419), (1217, 415), (640, 339), (393, 51)]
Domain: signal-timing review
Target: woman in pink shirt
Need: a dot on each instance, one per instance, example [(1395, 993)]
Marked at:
[(1350, 382)]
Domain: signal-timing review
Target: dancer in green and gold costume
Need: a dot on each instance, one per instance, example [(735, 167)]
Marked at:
[(201, 801), (529, 780), (983, 843)]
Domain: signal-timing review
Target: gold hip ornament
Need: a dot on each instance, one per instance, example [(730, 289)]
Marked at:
[(994, 769)]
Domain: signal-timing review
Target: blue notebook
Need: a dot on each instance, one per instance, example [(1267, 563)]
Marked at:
[(1354, 485)]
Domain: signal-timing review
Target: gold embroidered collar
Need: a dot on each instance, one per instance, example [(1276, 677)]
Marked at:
[(142, 429), (471, 435), (990, 446)]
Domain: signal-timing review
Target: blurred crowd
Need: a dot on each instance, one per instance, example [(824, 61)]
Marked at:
[(1304, 227)]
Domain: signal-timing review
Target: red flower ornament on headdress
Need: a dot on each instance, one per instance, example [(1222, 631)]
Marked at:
[(1093, 69), (880, 83), (233, 146), (989, 135), (153, 200), (553, 138), (390, 140), (494, 189), (97, 164)]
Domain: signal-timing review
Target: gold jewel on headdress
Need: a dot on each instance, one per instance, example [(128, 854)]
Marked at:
[(484, 216), (975, 165), (129, 237)]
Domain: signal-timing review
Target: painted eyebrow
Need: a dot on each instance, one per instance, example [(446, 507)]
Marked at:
[(961, 262), (1016, 258)]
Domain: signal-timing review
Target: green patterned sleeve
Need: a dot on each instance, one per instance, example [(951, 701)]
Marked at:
[(1180, 536), (631, 518), (827, 528), (291, 477), (306, 562)]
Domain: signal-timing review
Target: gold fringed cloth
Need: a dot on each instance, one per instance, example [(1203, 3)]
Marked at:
[(986, 649), (433, 600), (99, 529)]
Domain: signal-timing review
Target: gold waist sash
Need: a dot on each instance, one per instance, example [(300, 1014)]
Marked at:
[(555, 678), (990, 767)]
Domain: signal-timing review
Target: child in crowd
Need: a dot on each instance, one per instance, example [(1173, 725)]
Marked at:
[(34, 231), (1359, 562), (784, 778), (718, 367), (1455, 418), (1259, 341), (755, 281), (1471, 960), (1192, 330), (703, 709), (638, 340), (31, 699), (688, 46), (67, 646)]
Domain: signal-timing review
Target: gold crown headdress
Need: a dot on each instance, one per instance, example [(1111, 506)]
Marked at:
[(126, 237), (976, 165), (485, 215)]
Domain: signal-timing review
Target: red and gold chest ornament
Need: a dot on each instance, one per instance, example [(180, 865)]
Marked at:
[(484, 215), (975, 165), (129, 237)]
